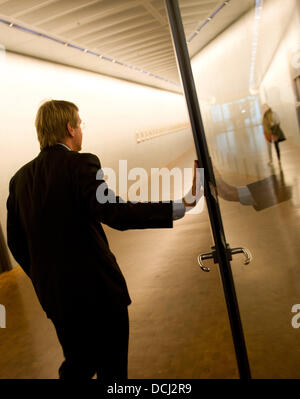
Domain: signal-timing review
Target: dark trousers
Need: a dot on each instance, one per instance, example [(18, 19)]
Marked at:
[(95, 344), (277, 149)]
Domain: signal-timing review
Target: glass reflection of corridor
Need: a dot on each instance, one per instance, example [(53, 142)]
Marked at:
[(236, 136)]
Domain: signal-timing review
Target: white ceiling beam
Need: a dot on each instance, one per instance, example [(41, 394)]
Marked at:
[(152, 60), (153, 11), (93, 26), (123, 44), (188, 19), (197, 3), (154, 50), (54, 10), (159, 56), (133, 34), (148, 65), (13, 8), (200, 14), (101, 8), (140, 49), (149, 60), (120, 30)]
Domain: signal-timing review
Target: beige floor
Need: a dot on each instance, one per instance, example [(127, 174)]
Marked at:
[(179, 324)]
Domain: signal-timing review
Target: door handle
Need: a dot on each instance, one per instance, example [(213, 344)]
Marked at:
[(233, 251), (244, 251), (201, 258)]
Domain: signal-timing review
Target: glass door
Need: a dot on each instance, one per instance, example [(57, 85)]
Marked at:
[(242, 106)]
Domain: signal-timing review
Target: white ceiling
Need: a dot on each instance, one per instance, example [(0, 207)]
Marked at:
[(133, 36)]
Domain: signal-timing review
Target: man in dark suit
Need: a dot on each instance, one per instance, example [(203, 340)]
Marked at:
[(54, 232)]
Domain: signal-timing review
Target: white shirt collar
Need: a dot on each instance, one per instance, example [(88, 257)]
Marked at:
[(65, 146)]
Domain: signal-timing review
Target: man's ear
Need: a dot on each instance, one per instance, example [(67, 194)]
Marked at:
[(70, 129)]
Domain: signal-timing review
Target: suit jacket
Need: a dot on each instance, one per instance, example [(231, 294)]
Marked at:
[(54, 232)]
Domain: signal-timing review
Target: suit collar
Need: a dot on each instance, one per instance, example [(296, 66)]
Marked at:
[(55, 147), (64, 145)]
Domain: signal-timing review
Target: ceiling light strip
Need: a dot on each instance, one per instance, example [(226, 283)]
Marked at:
[(208, 19), (84, 50)]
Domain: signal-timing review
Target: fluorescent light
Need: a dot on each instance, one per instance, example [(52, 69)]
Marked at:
[(207, 20)]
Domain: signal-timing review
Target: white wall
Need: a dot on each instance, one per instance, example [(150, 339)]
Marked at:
[(112, 109)]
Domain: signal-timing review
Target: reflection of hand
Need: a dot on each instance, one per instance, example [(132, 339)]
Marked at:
[(196, 184), (226, 191)]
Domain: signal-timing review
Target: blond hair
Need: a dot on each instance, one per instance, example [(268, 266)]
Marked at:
[(52, 119)]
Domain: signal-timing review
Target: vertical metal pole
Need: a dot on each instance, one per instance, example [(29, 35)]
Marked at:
[(184, 65)]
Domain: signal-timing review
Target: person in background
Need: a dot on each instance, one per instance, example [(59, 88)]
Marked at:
[(272, 131)]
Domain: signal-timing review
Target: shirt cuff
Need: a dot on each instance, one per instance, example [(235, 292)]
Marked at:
[(178, 210), (245, 196)]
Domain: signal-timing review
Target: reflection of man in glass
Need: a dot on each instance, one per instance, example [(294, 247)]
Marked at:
[(261, 194), (272, 131)]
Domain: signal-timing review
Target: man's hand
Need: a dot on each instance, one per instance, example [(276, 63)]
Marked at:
[(225, 191), (196, 187)]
